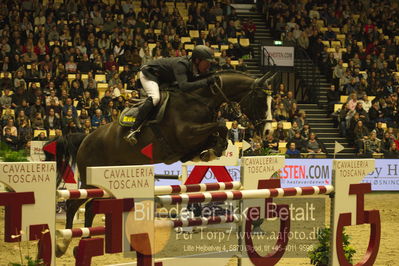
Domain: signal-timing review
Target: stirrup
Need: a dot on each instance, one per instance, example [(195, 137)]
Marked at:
[(131, 137)]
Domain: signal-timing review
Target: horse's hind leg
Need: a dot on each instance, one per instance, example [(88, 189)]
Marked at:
[(72, 206), (89, 215)]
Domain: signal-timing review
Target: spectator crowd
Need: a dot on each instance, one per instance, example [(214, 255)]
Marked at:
[(71, 66), (355, 44)]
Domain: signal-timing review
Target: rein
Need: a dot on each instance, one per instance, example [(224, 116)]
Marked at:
[(230, 103)]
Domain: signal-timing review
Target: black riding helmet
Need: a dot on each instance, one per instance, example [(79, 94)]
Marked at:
[(203, 52)]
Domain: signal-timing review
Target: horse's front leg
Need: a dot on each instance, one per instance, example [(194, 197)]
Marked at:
[(217, 141)]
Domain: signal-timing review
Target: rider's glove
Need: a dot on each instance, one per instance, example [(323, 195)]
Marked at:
[(211, 80)]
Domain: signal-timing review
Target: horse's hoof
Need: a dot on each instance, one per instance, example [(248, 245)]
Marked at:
[(60, 250), (205, 156)]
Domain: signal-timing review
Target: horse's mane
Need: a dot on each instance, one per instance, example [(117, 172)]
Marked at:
[(232, 71)]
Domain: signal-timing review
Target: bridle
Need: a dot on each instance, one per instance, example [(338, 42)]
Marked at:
[(216, 88)]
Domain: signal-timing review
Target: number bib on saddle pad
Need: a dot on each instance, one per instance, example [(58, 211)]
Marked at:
[(129, 114)]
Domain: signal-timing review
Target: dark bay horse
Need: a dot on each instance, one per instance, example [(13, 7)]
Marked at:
[(188, 128)]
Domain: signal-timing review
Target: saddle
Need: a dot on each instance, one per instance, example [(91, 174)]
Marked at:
[(128, 115)]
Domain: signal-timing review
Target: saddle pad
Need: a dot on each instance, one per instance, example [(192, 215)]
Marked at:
[(129, 114)]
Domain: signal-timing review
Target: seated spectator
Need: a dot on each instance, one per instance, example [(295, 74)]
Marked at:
[(51, 97), (114, 80), (282, 90), (372, 144), (366, 103), (84, 115), (71, 127), (306, 131), (66, 119), (6, 81), (299, 141), (20, 117), (7, 114), (52, 121), (10, 125), (111, 63), (363, 115), (36, 108), (250, 30), (332, 98), (301, 120), (147, 57), (255, 150), (270, 143), (87, 128), (85, 66), (386, 142), (41, 137), (289, 100), (375, 113), (292, 151), (6, 99), (235, 134), (71, 66), (352, 101), (115, 115), (352, 87), (69, 105), (38, 122), (232, 52), (379, 130), (388, 109), (97, 118), (241, 66), (294, 129), (281, 114), (314, 145), (360, 135), (227, 65), (279, 133), (330, 35), (392, 152), (24, 132), (29, 57), (10, 139), (396, 140), (293, 112)]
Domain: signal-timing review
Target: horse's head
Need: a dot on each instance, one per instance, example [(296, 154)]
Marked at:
[(250, 93)]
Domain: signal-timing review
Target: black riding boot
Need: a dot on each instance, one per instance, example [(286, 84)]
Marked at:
[(144, 111)]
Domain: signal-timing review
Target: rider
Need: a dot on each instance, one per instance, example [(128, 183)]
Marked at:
[(186, 71)]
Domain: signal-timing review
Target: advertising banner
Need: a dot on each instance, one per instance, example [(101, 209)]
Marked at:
[(36, 151), (280, 55), (304, 172)]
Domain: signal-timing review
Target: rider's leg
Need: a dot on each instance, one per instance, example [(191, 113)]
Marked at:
[(152, 90)]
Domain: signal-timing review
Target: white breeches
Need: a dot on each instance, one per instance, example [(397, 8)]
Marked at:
[(151, 88)]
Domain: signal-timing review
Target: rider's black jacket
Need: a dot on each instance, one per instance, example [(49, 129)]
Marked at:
[(174, 70)]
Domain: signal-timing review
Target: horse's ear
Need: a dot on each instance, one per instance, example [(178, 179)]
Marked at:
[(263, 79)]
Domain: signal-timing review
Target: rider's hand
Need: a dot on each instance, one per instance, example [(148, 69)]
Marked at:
[(212, 80)]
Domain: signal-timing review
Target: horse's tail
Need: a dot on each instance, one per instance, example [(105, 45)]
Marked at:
[(65, 152)]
